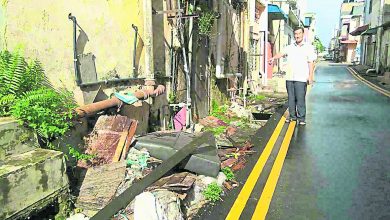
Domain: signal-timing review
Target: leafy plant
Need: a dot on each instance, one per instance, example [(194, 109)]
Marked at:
[(205, 20), (46, 111), (228, 173), (217, 130), (318, 45), (172, 98), (217, 110), (220, 112), (212, 192), (257, 97), (79, 156), (17, 76)]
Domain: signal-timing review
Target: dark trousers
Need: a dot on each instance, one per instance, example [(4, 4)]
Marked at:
[(296, 99)]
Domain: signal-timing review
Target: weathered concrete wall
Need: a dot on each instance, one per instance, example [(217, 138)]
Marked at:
[(385, 51), (29, 181), (14, 139), (45, 32)]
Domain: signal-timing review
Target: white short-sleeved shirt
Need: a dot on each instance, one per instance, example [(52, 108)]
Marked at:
[(298, 58)]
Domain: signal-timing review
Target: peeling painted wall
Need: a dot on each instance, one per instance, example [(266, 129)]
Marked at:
[(43, 30)]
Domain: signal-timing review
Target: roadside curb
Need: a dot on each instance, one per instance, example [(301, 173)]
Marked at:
[(368, 83), (260, 139)]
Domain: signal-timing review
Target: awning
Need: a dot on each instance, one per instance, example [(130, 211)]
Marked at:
[(370, 31), (348, 41), (359, 30), (275, 13)]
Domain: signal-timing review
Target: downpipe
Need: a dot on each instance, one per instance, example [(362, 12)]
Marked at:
[(135, 46), (76, 72)]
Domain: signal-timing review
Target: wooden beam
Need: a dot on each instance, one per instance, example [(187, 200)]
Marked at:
[(120, 146), (129, 139)]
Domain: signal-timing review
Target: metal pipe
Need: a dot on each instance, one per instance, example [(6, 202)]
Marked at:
[(135, 46), (93, 108), (76, 72), (111, 81)]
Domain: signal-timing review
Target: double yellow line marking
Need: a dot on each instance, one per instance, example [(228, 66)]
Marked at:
[(368, 83), (269, 189), (264, 202)]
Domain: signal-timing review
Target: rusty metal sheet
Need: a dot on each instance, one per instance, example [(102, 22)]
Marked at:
[(103, 140), (175, 182)]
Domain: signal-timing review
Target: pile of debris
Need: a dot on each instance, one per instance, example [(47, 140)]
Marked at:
[(121, 162), (162, 175)]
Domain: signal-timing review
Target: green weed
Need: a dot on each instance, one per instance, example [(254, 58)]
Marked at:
[(228, 173), (213, 192), (77, 155)]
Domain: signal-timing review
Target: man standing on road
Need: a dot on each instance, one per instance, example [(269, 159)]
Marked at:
[(300, 73)]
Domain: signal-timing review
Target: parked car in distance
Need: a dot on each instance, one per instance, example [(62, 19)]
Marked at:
[(328, 57)]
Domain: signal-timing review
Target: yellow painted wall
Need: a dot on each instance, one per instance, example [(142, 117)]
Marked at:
[(43, 29)]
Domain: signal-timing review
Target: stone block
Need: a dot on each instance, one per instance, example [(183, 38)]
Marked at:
[(386, 78), (163, 145), (30, 181), (14, 138)]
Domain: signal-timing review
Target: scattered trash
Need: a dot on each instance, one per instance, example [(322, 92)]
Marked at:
[(137, 159), (78, 216), (240, 111), (211, 121)]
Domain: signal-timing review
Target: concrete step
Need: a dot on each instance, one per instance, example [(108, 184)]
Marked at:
[(30, 181), (14, 138)]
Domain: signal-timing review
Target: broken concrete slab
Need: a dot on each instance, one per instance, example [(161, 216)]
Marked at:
[(30, 181), (15, 139), (170, 205), (240, 135), (99, 186), (195, 200), (159, 205), (162, 145), (222, 141)]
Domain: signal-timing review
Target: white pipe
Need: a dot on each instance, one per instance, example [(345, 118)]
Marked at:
[(148, 40), (219, 69), (370, 70), (265, 75)]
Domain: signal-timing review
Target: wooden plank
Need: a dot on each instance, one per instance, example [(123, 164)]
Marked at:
[(129, 139), (138, 187), (120, 146)]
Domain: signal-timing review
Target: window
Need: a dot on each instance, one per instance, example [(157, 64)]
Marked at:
[(370, 7)]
